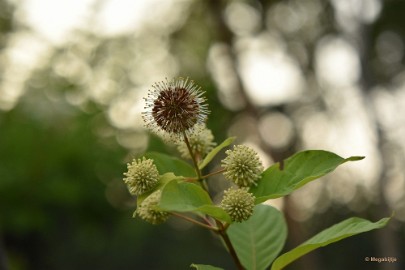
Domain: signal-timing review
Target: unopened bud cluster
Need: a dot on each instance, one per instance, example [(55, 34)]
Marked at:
[(142, 176), (238, 203), (242, 166), (148, 209)]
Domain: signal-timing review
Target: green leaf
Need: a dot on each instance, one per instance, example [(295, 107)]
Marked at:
[(259, 240), (163, 180), (183, 197), (215, 212), (337, 232), (215, 151), (188, 197), (205, 267), (165, 164), (296, 171)]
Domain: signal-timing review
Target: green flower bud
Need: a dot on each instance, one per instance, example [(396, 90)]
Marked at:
[(142, 176), (238, 203), (201, 142), (242, 166), (147, 210)]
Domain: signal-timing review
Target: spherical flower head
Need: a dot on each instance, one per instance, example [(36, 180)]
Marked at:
[(175, 107), (148, 211), (142, 176), (201, 142), (242, 166), (238, 203)]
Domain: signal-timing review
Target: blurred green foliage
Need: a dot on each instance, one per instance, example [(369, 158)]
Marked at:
[(55, 181)]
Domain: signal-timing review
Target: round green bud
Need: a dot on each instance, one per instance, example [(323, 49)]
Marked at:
[(142, 176), (238, 203), (242, 166), (201, 142), (148, 211)]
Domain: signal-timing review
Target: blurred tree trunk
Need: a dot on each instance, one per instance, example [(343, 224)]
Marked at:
[(386, 242)]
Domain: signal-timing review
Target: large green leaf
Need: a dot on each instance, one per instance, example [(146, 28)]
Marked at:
[(344, 229), (205, 267), (165, 164), (188, 197), (259, 240), (297, 170), (215, 151)]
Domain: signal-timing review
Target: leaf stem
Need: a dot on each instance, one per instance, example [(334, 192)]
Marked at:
[(195, 221), (191, 179), (195, 179), (212, 174)]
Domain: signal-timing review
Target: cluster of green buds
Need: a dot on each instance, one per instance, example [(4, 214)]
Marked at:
[(238, 203), (148, 209), (243, 167), (141, 178), (178, 109)]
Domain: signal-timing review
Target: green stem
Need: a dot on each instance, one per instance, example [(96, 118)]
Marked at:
[(197, 170), (191, 179), (228, 243), (195, 221), (221, 230), (213, 173)]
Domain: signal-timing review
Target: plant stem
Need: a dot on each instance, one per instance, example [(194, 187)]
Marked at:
[(221, 229), (194, 179), (191, 180), (197, 170), (195, 221), (228, 243), (213, 173)]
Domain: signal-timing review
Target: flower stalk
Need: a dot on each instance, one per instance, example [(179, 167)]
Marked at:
[(193, 158)]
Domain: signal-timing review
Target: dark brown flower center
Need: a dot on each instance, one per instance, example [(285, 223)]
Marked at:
[(176, 110)]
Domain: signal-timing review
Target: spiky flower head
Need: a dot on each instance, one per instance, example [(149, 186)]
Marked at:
[(175, 106), (142, 176), (238, 203), (242, 166), (148, 211), (201, 142)]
